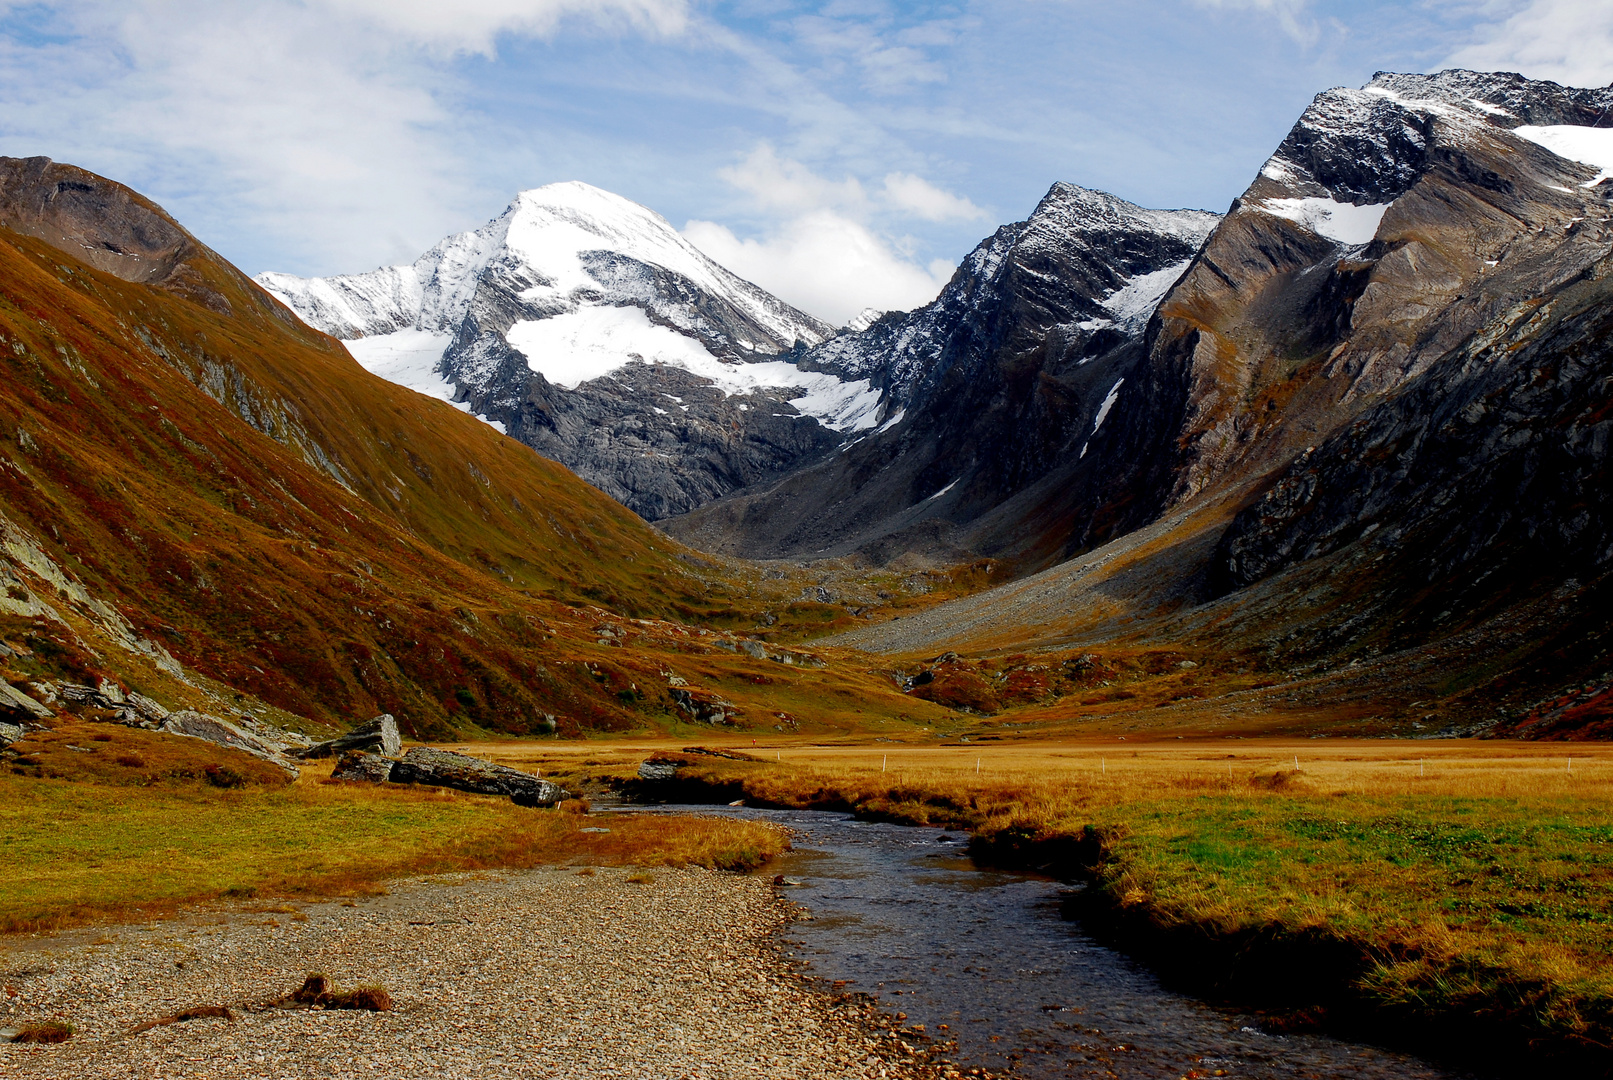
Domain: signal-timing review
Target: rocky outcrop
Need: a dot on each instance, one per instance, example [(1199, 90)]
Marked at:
[(10, 733), (377, 736), (16, 702), (444, 768), (196, 725)]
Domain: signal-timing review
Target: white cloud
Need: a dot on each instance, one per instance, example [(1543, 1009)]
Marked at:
[(825, 263), (823, 251), (1290, 15), (474, 25), (922, 199), (776, 183), (328, 128), (1568, 41)]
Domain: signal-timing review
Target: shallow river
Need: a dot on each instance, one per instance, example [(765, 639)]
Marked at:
[(902, 915)]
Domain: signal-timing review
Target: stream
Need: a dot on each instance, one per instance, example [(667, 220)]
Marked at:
[(901, 914)]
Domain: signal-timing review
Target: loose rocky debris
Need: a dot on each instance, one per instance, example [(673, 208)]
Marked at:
[(444, 768), (541, 973), (377, 736)]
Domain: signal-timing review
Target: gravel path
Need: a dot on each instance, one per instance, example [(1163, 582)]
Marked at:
[(541, 973)]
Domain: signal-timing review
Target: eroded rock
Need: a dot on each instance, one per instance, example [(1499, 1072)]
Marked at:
[(444, 768), (377, 736)]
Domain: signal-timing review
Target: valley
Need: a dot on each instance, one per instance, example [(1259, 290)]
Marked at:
[(1247, 573)]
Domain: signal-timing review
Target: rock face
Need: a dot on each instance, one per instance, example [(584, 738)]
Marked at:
[(444, 768), (10, 733), (196, 725), (991, 391), (377, 736), (585, 326)]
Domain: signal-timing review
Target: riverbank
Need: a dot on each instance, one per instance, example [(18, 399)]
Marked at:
[(1452, 899), (87, 852), (550, 972)]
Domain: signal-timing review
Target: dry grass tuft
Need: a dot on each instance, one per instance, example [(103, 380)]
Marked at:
[(51, 1031)]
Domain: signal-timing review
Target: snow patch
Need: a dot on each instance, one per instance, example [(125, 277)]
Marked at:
[(1342, 222), (410, 358), (1588, 146), (1134, 302), (1103, 414), (594, 341), (896, 418), (944, 490)]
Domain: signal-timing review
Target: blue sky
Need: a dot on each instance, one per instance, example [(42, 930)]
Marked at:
[(842, 153)]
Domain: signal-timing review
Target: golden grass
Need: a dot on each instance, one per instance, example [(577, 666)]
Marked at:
[(1465, 878), (79, 852)]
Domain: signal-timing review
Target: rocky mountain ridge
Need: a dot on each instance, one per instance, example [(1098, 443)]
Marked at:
[(990, 391)]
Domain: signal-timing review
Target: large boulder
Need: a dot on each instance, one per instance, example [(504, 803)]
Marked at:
[(656, 771), (17, 703), (197, 725), (10, 733), (444, 768), (358, 765), (378, 736)]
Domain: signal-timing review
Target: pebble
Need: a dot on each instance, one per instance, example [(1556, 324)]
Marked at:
[(538, 973)]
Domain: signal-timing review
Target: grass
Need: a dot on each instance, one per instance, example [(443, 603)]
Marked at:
[(81, 852), (1463, 888)]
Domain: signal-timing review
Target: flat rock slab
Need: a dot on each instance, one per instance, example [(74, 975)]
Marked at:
[(197, 725), (444, 768), (537, 973), (377, 736)]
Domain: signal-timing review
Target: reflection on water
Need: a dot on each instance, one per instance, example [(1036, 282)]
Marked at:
[(901, 915)]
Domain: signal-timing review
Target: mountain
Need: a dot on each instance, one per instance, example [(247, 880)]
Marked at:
[(1368, 428), (583, 325), (206, 500), (990, 394)]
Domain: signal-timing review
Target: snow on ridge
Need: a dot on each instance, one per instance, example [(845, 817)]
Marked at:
[(596, 340), (542, 239), (1342, 222), (1586, 145)]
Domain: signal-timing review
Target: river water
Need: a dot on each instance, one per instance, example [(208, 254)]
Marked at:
[(902, 915)]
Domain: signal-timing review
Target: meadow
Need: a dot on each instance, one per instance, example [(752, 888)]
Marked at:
[(88, 838), (1442, 889)]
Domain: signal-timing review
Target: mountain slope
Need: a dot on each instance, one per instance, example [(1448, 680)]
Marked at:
[(990, 391), (586, 327), (1372, 422), (192, 480)]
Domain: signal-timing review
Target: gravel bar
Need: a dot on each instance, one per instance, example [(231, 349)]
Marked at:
[(537, 973)]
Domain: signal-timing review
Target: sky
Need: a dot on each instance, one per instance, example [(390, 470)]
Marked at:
[(840, 153)]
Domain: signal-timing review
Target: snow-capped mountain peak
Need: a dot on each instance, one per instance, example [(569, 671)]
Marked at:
[(570, 319)]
